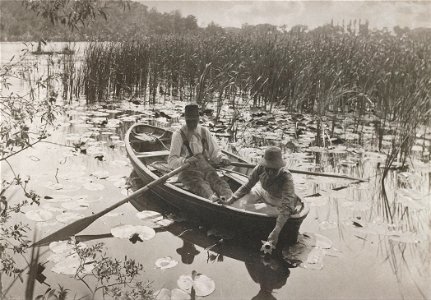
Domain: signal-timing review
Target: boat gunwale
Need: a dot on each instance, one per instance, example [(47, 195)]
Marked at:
[(208, 203)]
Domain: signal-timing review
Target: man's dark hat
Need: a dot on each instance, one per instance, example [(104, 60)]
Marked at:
[(191, 111), (273, 158)]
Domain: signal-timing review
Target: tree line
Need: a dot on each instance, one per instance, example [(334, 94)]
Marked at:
[(20, 23)]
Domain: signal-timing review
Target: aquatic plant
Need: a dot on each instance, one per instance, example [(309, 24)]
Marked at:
[(373, 74)]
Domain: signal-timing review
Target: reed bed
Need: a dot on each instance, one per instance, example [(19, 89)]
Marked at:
[(322, 72), (311, 72)]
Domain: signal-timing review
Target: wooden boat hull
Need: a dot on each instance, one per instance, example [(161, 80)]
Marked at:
[(248, 225)]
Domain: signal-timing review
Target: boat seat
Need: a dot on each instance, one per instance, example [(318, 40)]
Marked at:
[(152, 154)]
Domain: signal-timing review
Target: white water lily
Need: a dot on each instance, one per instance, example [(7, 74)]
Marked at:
[(165, 263), (127, 231), (39, 215)]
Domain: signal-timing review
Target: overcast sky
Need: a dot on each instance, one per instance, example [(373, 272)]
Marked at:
[(311, 13)]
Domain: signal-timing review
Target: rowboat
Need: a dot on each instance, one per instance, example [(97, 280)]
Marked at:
[(148, 147)]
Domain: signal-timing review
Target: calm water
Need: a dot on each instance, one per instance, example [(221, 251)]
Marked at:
[(347, 249)]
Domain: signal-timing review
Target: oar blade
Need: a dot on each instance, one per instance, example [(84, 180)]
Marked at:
[(67, 231)]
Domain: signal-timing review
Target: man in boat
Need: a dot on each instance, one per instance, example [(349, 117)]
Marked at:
[(195, 145), (271, 184)]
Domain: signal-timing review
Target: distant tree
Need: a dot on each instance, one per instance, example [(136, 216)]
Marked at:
[(214, 29), (190, 23), (299, 29), (399, 31), (72, 12)]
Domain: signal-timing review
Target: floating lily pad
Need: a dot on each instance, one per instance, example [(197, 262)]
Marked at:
[(51, 208), (120, 163), (165, 263), (76, 205), (175, 294), (316, 201), (202, 284), (120, 183), (153, 219), (322, 241), (68, 217), (92, 186), (101, 174), (149, 215), (127, 231), (54, 186), (61, 247), (115, 178), (55, 257), (39, 215), (408, 238), (70, 264), (164, 222), (314, 260)]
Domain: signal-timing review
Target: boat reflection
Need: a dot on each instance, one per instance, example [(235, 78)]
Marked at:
[(270, 272)]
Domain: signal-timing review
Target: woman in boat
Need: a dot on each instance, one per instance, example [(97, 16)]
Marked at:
[(272, 184), (195, 145)]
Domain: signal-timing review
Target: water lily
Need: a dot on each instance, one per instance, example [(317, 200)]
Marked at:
[(267, 247)]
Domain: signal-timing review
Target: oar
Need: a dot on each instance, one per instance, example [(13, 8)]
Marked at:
[(247, 165), (79, 225)]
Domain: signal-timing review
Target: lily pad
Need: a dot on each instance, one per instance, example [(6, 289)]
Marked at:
[(70, 265), (149, 215), (165, 263), (68, 217), (61, 247), (202, 284), (101, 174), (145, 233), (39, 215), (48, 207), (92, 186), (322, 241), (76, 205), (120, 163), (175, 294)]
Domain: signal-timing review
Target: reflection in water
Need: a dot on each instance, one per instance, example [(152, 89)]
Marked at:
[(187, 252), (269, 271), (270, 274)]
